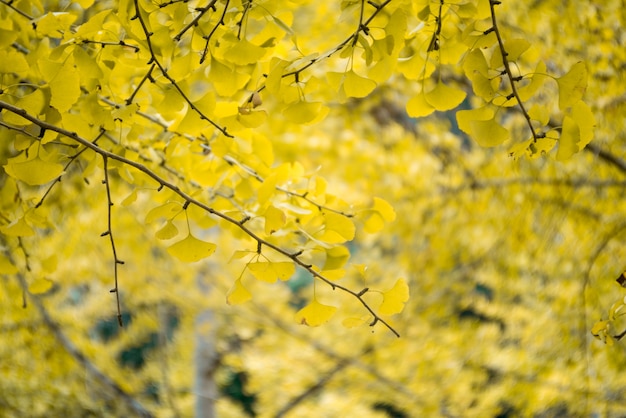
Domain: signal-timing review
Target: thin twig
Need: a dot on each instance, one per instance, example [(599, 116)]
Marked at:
[(210, 35), (507, 69), (109, 232), (155, 60), (194, 22)]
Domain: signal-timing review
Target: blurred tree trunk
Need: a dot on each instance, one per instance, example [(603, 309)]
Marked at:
[(205, 359)]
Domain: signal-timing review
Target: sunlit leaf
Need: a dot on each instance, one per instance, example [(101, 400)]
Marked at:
[(586, 121), (238, 294), (315, 314), (34, 172), (568, 142), (6, 266), (167, 231), (302, 112), (444, 97), (39, 286), (418, 106), (395, 298), (572, 85), (191, 249), (338, 228), (271, 271), (353, 322), (167, 210), (488, 133), (356, 86), (274, 219)]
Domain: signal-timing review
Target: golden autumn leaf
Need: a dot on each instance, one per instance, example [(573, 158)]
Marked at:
[(315, 314), (395, 298), (191, 249), (238, 294)]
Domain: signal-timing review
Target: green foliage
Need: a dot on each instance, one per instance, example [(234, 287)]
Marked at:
[(295, 159)]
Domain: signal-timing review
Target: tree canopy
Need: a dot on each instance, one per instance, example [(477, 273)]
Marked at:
[(433, 188)]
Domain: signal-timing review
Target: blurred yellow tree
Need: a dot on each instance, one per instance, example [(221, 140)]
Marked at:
[(185, 184)]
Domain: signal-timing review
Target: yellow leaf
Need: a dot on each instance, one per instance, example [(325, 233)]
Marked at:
[(568, 142), (243, 53), (488, 133), (444, 97), (514, 49), (336, 257), (64, 83), (130, 199), (315, 314), (32, 103), (269, 272), (394, 298), (40, 286), (353, 322), (385, 209), (167, 210), (54, 24), (303, 112), (586, 121), (191, 249), (339, 228), (168, 231), (34, 172), (226, 80), (418, 107), (6, 267), (49, 264), (374, 223), (572, 85), (537, 79), (238, 294), (274, 219), (356, 86)]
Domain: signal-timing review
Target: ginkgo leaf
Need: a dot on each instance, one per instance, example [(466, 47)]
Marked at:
[(64, 85), (238, 294), (488, 133), (586, 121), (243, 52), (34, 172), (32, 103), (167, 210), (302, 112), (274, 219), (514, 48), (338, 228), (385, 209), (130, 199), (6, 266), (353, 322), (13, 62), (395, 298), (444, 97), (315, 314), (356, 86), (568, 142), (572, 85), (336, 257), (39, 286), (269, 272), (418, 107), (191, 249), (168, 231)]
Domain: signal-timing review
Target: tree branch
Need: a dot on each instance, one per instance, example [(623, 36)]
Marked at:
[(188, 199)]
